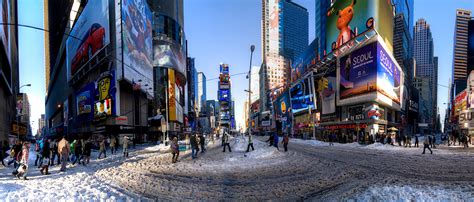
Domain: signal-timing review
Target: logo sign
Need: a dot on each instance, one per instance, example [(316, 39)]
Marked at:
[(266, 123), (466, 118), (356, 113)]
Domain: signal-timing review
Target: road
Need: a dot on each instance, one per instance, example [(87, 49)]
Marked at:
[(306, 172)]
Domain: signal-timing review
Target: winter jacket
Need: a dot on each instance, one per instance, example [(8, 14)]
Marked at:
[(226, 138), (125, 142), (63, 147), (427, 142), (17, 151), (87, 149), (46, 150), (113, 141), (250, 139), (102, 145), (193, 141), (78, 149), (285, 140), (202, 140), (275, 142), (25, 152), (174, 147), (73, 144)]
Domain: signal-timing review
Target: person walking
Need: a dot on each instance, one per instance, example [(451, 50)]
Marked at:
[(271, 140), (174, 150), (113, 143), (250, 143), (126, 141), (38, 152), (202, 142), (15, 153), (226, 142), (54, 153), (426, 145), (78, 152), (102, 149), (194, 146), (86, 152), (63, 151), (71, 154), (416, 141), (285, 142), (45, 158), (275, 139), (23, 167)]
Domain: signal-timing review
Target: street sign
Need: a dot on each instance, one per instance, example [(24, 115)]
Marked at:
[(423, 125), (266, 123)]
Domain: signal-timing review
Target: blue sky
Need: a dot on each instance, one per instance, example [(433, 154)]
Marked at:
[(222, 31)]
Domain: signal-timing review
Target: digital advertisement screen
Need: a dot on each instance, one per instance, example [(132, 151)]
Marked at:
[(301, 97), (224, 95), (328, 95), (282, 107), (168, 53), (88, 36), (84, 102), (137, 42), (104, 102), (388, 76), (304, 61)]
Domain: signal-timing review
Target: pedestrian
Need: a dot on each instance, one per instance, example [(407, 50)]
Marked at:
[(45, 158), (15, 154), (202, 142), (22, 170), (78, 152), (194, 146), (416, 141), (271, 139), (86, 152), (63, 151), (38, 152), (250, 143), (465, 142), (285, 142), (430, 141), (226, 142), (125, 146), (275, 143), (54, 153), (434, 141), (3, 151), (426, 145), (113, 143), (331, 139), (174, 150), (102, 149), (71, 148)]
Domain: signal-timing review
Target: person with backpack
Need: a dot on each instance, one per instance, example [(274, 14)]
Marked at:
[(15, 153), (63, 150)]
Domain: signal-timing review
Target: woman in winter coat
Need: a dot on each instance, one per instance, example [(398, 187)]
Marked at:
[(63, 150), (175, 150), (24, 158)]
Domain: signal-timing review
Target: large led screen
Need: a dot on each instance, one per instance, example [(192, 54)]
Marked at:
[(170, 54), (301, 97)]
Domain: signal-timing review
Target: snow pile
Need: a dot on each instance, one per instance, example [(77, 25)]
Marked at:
[(310, 142)]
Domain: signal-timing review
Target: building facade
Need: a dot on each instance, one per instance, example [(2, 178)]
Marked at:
[(321, 9), (201, 96), (460, 50), (426, 64)]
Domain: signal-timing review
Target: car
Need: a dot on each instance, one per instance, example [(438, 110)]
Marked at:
[(92, 41)]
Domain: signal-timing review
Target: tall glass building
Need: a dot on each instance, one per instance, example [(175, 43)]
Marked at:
[(295, 29), (322, 7), (201, 96)]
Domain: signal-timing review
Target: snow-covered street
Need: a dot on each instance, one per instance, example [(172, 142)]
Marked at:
[(309, 170)]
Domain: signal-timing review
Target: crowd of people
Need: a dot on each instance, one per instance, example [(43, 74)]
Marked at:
[(51, 151)]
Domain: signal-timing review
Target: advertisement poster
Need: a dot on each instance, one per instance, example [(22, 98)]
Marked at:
[(137, 41), (302, 63), (460, 102), (89, 35), (224, 69), (84, 100), (348, 18), (301, 97), (388, 76), (470, 90), (282, 107), (5, 28), (274, 26), (224, 95), (328, 95), (358, 72), (168, 53), (19, 104), (104, 105)]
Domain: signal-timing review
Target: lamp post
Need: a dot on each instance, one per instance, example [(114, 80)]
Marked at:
[(252, 48)]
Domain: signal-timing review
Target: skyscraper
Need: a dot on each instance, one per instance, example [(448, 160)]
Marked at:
[(426, 63), (322, 7), (284, 37), (460, 50), (201, 96)]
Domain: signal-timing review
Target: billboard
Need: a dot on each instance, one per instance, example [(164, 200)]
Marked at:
[(302, 97), (224, 95), (89, 35), (328, 95), (370, 70), (348, 18), (282, 107), (304, 61), (174, 96), (224, 69), (137, 41), (84, 100), (104, 102), (274, 25), (460, 102), (169, 54)]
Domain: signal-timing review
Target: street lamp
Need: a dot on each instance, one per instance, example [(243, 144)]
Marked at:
[(252, 48)]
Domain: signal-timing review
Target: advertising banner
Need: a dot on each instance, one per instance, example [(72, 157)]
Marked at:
[(224, 95), (19, 104), (466, 119), (302, 97), (370, 70), (304, 61), (224, 69), (84, 101), (274, 26), (5, 28), (358, 72), (137, 41), (328, 95), (460, 102), (168, 53), (470, 90), (89, 35), (104, 102), (348, 18), (174, 107), (282, 107)]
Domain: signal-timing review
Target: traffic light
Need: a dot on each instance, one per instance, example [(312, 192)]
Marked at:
[(320, 85), (325, 83)]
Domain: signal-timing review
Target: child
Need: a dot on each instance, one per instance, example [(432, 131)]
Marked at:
[(45, 166)]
